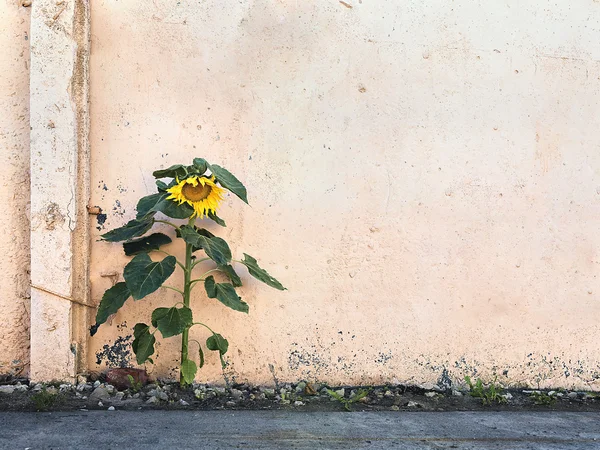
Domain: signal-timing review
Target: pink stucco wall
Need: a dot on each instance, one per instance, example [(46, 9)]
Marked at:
[(423, 177), (14, 185)]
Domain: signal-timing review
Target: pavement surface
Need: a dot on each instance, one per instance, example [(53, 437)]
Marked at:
[(299, 430)]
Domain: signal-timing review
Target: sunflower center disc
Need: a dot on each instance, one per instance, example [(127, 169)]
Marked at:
[(196, 193)]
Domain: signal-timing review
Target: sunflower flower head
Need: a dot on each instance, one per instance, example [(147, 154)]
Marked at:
[(200, 192)]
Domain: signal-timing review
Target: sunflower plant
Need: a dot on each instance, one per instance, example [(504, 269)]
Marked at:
[(194, 193)]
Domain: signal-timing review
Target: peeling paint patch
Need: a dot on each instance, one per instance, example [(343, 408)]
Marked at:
[(100, 218), (117, 354)]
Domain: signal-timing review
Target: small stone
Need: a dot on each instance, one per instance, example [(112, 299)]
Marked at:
[(300, 387), (364, 400), (8, 389), (136, 395), (65, 387), (430, 387), (38, 387), (100, 404), (395, 408), (230, 403), (311, 389), (298, 403), (236, 394), (120, 395), (52, 390), (21, 387), (162, 396), (111, 408), (220, 391), (456, 393), (341, 392), (80, 387), (84, 397), (572, 395), (261, 396), (110, 389), (167, 388), (152, 400), (387, 393), (100, 394), (412, 404), (96, 383), (182, 402), (430, 394), (81, 379), (551, 393), (251, 397), (199, 394), (508, 396)]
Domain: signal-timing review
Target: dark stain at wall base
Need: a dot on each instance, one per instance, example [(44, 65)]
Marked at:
[(117, 354)]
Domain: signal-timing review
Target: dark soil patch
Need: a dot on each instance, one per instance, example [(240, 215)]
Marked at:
[(302, 397)]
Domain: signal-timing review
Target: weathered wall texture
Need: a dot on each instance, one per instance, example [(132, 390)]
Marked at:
[(14, 185), (59, 192), (424, 177)]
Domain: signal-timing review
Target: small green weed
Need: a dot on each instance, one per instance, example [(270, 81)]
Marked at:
[(135, 386), (543, 399), (347, 402), (44, 400), (488, 395)]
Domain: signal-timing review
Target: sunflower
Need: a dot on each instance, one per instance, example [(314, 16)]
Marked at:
[(200, 193)]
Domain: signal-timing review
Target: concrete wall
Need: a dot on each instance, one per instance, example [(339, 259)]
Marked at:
[(14, 185), (424, 178)]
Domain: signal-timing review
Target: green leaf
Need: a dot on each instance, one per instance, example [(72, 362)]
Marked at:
[(215, 247), (158, 203), (139, 329), (144, 276), (162, 186), (172, 321), (216, 342), (225, 293), (260, 274), (188, 371), (146, 244), (229, 181), (143, 344), (211, 215), (131, 229), (231, 273), (146, 204), (112, 300), (200, 165), (200, 231), (176, 171), (201, 356)]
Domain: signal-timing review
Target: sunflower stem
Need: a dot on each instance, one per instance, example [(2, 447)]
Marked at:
[(173, 289), (187, 288), (167, 222), (205, 326), (198, 261), (168, 254)]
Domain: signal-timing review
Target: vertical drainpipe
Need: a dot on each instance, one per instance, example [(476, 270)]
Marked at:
[(59, 114)]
